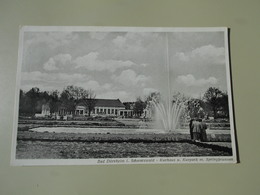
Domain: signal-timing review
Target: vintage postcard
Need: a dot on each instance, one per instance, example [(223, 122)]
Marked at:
[(123, 95)]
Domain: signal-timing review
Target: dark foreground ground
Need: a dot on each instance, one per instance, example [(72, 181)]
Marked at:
[(80, 150), (35, 145), (51, 145)]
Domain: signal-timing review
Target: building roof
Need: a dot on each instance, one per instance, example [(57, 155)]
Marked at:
[(106, 103)]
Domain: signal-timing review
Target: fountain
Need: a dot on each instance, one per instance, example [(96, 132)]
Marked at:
[(168, 111), (168, 114)]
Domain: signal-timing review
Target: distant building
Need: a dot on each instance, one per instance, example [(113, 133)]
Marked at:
[(64, 111), (104, 107)]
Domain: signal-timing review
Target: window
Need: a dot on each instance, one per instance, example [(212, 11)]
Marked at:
[(105, 111), (108, 111), (112, 111), (116, 112)]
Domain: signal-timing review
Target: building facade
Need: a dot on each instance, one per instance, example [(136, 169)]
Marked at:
[(104, 107)]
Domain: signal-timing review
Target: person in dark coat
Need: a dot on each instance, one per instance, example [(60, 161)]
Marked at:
[(191, 129), (203, 131), (196, 128)]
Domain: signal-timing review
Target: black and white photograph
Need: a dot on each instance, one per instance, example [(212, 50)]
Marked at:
[(123, 95)]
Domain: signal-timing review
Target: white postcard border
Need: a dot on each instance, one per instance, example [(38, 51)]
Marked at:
[(121, 161)]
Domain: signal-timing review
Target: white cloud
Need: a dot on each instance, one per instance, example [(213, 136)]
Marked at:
[(135, 42), (38, 76), (42, 87), (91, 62), (144, 64), (52, 81), (98, 35), (130, 78), (50, 65), (54, 62), (94, 85), (182, 56), (207, 53), (119, 41), (190, 80), (52, 39), (148, 91)]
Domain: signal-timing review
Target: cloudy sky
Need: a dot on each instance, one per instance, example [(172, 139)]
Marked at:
[(124, 65)]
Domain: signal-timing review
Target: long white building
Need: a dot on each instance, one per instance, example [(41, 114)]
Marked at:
[(107, 107)]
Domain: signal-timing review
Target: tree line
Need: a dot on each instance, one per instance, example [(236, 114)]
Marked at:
[(213, 103), (31, 102)]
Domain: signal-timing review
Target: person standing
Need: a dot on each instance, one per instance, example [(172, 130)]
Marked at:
[(191, 128), (203, 131), (196, 129)]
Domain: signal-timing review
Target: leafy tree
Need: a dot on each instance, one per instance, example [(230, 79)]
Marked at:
[(196, 108), (71, 95), (128, 105), (76, 93), (139, 106), (89, 100), (154, 96), (223, 104), (54, 101), (22, 103), (179, 98), (67, 101), (32, 97), (31, 102), (68, 93), (212, 97)]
